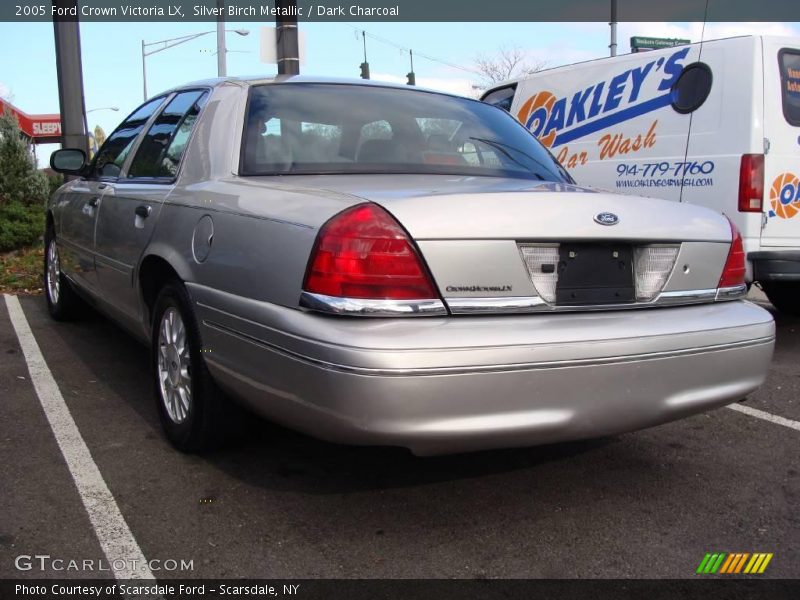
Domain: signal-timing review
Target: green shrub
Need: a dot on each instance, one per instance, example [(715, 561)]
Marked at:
[(53, 183), (20, 225), (23, 189)]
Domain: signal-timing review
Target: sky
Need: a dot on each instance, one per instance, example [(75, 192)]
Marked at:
[(112, 62)]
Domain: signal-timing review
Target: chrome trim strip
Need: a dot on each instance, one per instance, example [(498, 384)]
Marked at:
[(432, 371), (686, 297), (473, 306), (731, 293), (500, 305), (114, 265), (372, 308), (535, 304)]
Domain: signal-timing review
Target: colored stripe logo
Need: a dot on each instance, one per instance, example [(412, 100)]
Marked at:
[(734, 563)]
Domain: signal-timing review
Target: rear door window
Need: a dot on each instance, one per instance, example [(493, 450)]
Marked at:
[(162, 147), (790, 85), (109, 160)]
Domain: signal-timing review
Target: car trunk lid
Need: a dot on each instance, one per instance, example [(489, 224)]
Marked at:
[(508, 245)]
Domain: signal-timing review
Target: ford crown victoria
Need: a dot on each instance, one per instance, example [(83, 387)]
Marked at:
[(375, 264)]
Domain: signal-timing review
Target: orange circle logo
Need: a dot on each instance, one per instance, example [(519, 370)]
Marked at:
[(535, 113), (784, 196)]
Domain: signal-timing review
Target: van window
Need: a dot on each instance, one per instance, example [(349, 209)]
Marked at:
[(692, 88), (501, 97), (790, 84)]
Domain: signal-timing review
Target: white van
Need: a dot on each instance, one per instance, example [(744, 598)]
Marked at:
[(715, 123)]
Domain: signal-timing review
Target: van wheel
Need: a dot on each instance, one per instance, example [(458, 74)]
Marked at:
[(62, 301), (784, 295), (190, 406)]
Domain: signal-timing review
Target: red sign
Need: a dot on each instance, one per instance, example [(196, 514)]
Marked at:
[(40, 128)]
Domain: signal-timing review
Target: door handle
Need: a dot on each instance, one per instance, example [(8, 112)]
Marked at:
[(94, 202), (143, 211)]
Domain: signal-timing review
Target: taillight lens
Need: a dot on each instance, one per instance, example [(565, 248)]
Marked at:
[(751, 183), (364, 253), (652, 267), (733, 273), (542, 264)]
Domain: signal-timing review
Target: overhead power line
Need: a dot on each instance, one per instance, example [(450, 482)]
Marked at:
[(417, 53)]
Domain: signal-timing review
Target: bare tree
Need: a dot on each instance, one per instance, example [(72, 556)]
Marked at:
[(5, 92), (507, 63)]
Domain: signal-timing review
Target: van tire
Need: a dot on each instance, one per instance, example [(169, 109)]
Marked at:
[(784, 295)]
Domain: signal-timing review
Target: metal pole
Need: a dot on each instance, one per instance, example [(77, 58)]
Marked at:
[(144, 75), (222, 51), (287, 41), (67, 35), (613, 24)]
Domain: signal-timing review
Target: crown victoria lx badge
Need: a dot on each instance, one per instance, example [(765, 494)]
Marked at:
[(606, 218)]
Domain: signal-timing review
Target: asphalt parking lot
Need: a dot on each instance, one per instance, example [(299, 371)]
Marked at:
[(648, 504)]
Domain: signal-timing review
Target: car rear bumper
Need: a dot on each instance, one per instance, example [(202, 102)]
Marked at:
[(442, 385), (775, 265)]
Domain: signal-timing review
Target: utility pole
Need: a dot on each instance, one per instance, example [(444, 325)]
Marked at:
[(222, 65), (613, 24), (286, 37), (411, 77), (66, 30)]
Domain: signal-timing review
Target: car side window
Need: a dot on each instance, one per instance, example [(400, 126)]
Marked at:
[(111, 156), (162, 147)]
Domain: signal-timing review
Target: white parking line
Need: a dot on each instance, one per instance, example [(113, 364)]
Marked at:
[(112, 531), (760, 414)]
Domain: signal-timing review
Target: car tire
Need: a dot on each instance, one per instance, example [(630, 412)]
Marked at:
[(192, 409), (784, 295), (62, 301)]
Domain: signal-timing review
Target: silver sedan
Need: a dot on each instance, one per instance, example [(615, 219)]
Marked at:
[(377, 264)]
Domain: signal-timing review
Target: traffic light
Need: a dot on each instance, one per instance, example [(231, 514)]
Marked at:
[(412, 79), (365, 70)]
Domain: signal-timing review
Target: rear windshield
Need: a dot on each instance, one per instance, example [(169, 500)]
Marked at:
[(305, 128), (790, 83)]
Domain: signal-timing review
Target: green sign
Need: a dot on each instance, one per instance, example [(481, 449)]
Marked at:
[(652, 43)]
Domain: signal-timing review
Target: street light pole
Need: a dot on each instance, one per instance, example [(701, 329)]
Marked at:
[(222, 67), (144, 73), (167, 44)]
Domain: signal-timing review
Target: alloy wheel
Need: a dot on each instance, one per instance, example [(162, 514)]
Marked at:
[(53, 274), (174, 366)]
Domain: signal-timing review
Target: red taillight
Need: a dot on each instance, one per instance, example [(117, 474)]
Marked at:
[(733, 273), (751, 183), (364, 253)]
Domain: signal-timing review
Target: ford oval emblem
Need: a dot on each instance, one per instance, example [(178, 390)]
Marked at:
[(606, 218)]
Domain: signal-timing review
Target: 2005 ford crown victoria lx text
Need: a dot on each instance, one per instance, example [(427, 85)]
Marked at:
[(374, 264)]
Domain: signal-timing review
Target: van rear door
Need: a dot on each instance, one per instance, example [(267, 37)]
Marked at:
[(782, 132), (610, 121)]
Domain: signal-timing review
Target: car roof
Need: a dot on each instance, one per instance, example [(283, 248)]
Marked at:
[(280, 79)]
